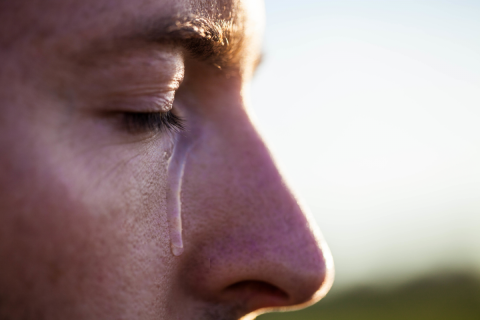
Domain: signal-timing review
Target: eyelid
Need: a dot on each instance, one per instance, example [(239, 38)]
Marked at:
[(140, 102), (146, 96)]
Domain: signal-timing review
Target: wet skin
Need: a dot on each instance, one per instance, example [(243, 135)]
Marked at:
[(86, 217)]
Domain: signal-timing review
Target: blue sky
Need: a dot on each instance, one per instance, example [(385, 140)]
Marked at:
[(373, 110)]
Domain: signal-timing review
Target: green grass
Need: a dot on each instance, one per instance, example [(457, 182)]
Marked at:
[(439, 297)]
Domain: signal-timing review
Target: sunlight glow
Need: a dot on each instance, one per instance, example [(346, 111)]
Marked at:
[(373, 109)]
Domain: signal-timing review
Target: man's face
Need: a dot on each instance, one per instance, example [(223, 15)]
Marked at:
[(133, 184)]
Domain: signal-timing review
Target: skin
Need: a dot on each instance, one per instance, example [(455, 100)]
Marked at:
[(84, 205)]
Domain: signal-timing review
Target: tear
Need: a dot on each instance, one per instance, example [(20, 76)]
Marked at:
[(176, 167)]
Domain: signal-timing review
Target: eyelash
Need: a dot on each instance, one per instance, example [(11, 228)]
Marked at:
[(137, 122)]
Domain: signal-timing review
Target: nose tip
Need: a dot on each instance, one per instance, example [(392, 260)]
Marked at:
[(276, 268), (311, 263), (292, 269), (313, 274), (295, 283)]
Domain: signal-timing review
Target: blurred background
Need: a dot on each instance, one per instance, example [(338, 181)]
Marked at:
[(372, 109)]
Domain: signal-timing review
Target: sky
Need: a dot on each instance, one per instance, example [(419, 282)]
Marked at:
[(372, 109)]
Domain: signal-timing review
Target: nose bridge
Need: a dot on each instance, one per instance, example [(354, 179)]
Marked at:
[(247, 224)]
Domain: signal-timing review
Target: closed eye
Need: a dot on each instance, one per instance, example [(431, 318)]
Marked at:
[(140, 122)]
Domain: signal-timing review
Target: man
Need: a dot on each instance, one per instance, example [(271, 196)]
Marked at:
[(133, 183)]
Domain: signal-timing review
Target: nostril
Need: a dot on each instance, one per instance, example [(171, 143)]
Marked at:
[(257, 294), (257, 287)]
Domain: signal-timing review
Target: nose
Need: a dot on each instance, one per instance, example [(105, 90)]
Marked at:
[(248, 241)]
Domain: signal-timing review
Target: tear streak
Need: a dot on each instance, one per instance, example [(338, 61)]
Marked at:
[(176, 169)]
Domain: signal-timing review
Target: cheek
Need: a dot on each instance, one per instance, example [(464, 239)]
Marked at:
[(84, 228)]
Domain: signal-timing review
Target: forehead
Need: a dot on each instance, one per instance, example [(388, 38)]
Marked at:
[(75, 23)]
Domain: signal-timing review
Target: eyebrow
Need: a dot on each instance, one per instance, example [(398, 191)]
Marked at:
[(218, 42)]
